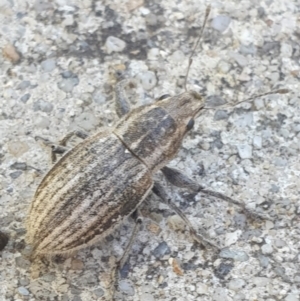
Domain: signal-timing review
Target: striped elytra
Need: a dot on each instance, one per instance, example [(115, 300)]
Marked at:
[(104, 178)]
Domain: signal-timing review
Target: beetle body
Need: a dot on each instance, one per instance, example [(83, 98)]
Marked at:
[(103, 179)]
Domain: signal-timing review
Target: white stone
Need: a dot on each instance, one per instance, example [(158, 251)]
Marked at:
[(257, 142), (236, 284), (232, 238), (267, 249), (147, 79), (202, 289), (114, 44), (245, 151), (221, 22)]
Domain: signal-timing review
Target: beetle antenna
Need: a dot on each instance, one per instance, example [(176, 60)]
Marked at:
[(279, 91), (196, 45)]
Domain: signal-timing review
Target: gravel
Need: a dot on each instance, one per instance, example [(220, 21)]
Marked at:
[(57, 60)]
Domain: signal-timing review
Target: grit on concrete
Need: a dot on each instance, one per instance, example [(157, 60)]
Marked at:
[(57, 62)]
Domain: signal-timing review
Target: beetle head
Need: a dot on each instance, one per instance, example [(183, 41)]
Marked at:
[(183, 107)]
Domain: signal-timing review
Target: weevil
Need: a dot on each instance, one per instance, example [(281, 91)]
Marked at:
[(94, 186)]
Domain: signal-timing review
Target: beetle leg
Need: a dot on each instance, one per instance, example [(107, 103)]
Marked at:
[(119, 265), (54, 148), (202, 237), (177, 178), (78, 133), (121, 99)]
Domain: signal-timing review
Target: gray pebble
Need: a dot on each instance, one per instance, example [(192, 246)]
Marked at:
[(234, 254), (25, 97), (147, 79), (279, 243), (221, 22), (114, 44), (292, 297), (257, 142), (245, 151), (161, 250), (23, 291), (15, 174), (22, 263), (267, 249), (42, 105), (248, 49), (68, 84), (23, 85), (215, 101), (99, 292), (98, 97), (220, 294), (280, 161), (263, 260), (147, 297), (151, 19), (126, 287), (48, 65), (240, 59), (236, 284), (221, 115)]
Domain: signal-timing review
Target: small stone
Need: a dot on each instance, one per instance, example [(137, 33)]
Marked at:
[(248, 49), (236, 284), (259, 104), (114, 44), (151, 20), (22, 263), (280, 162), (221, 22), (9, 51), (215, 101), (23, 85), (99, 292), (267, 249), (263, 260), (257, 142), (176, 223), (77, 264), (202, 289), (176, 267), (260, 281), (15, 174), (221, 115), (234, 254), (42, 105), (240, 59), (17, 148), (25, 97), (161, 250), (23, 291), (223, 270), (147, 79), (147, 297), (68, 84), (245, 151), (292, 297), (219, 294), (126, 287), (279, 243), (48, 65), (98, 97), (232, 237), (224, 67)]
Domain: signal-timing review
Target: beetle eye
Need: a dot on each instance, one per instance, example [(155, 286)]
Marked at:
[(163, 97), (190, 124)]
